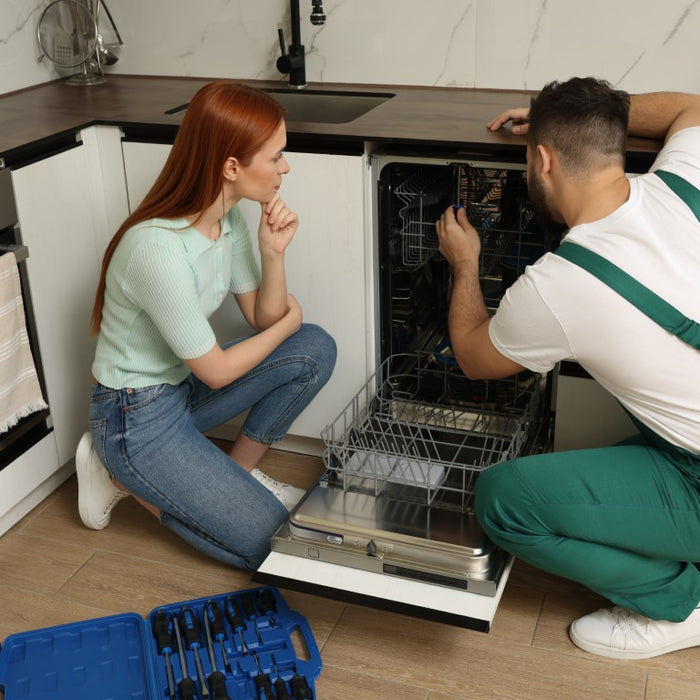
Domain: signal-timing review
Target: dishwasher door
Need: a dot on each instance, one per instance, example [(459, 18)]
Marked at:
[(375, 590), (390, 524)]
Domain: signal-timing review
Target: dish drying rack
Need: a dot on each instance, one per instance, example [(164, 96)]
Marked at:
[(420, 431)]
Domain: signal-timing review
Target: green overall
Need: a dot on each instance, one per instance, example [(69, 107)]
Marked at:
[(623, 520)]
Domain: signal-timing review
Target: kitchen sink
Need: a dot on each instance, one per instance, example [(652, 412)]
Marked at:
[(324, 106)]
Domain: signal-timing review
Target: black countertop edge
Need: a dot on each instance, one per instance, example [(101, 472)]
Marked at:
[(638, 159), (301, 141), (42, 148)]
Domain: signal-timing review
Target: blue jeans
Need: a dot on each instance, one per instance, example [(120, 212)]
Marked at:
[(151, 441)]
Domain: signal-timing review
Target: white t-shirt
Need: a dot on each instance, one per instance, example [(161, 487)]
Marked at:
[(558, 311)]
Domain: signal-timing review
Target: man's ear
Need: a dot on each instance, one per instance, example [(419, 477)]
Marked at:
[(546, 158), (231, 168)]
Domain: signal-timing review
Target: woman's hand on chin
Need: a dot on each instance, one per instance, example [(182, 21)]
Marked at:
[(278, 224)]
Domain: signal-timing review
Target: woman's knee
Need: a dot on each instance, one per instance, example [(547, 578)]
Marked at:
[(320, 346)]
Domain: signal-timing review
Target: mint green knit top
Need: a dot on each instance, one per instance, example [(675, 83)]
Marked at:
[(164, 281)]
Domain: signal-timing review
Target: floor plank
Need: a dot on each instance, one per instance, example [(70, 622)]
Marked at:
[(55, 571), (461, 663)]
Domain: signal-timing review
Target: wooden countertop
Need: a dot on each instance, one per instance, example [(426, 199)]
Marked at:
[(455, 117)]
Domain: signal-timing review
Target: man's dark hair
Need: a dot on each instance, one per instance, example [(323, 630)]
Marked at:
[(583, 119)]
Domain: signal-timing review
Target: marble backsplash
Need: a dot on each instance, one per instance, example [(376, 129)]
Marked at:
[(638, 45)]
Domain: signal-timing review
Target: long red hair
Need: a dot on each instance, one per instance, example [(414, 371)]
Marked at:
[(223, 119)]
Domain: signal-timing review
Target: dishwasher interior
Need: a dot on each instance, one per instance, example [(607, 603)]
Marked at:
[(403, 457)]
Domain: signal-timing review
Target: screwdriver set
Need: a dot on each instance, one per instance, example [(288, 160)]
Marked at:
[(237, 645)]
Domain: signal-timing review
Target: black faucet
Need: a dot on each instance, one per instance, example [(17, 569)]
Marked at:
[(292, 61)]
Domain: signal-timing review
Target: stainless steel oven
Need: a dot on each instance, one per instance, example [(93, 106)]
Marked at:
[(31, 429)]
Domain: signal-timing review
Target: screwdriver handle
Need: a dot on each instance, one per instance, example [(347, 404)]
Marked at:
[(233, 615), (249, 606), (217, 686), (300, 688), (216, 621), (281, 690), (191, 633), (161, 631), (262, 683), (164, 642), (190, 630), (188, 689), (267, 603)]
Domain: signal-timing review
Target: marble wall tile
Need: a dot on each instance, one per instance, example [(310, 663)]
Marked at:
[(397, 42), (638, 45), (19, 48)]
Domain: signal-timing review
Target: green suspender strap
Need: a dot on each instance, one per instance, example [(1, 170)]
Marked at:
[(637, 294), (689, 194)]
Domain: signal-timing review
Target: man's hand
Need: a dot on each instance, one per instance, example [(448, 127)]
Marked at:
[(468, 317), (459, 241), (518, 115)]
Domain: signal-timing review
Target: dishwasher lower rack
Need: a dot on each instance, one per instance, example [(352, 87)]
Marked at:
[(401, 463), (419, 431)]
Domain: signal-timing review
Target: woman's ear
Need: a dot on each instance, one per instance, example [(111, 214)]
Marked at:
[(231, 167)]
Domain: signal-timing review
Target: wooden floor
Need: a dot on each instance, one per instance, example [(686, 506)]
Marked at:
[(55, 571)]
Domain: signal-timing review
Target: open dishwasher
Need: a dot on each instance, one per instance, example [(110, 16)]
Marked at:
[(390, 523)]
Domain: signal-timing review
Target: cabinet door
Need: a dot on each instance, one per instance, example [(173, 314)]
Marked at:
[(326, 270), (587, 416), (325, 262), (58, 223), (142, 164)]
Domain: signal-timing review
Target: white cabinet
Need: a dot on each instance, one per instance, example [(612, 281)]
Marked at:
[(326, 262), (587, 416), (326, 270), (65, 221), (142, 164)]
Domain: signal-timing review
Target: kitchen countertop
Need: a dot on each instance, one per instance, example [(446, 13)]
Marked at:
[(427, 116)]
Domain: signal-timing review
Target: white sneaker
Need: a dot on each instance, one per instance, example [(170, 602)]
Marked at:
[(288, 495), (97, 495), (619, 633)]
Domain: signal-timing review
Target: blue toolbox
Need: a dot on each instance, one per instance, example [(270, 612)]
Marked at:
[(237, 645)]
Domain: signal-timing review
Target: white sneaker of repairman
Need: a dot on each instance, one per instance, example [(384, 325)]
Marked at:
[(287, 494), (619, 633), (97, 495)]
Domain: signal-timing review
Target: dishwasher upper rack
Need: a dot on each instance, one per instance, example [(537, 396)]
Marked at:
[(497, 205), (424, 195), (420, 431)]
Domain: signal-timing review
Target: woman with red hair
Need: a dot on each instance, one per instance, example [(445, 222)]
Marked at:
[(161, 379)]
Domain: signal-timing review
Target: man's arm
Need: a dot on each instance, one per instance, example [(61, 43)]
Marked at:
[(659, 115), (655, 115), (468, 317)]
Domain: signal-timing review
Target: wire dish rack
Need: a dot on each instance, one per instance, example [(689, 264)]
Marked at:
[(420, 431), (423, 195), (497, 206)]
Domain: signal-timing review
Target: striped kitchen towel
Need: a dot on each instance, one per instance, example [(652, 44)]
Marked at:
[(20, 393)]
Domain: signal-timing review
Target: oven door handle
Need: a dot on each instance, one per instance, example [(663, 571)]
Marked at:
[(21, 251)]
